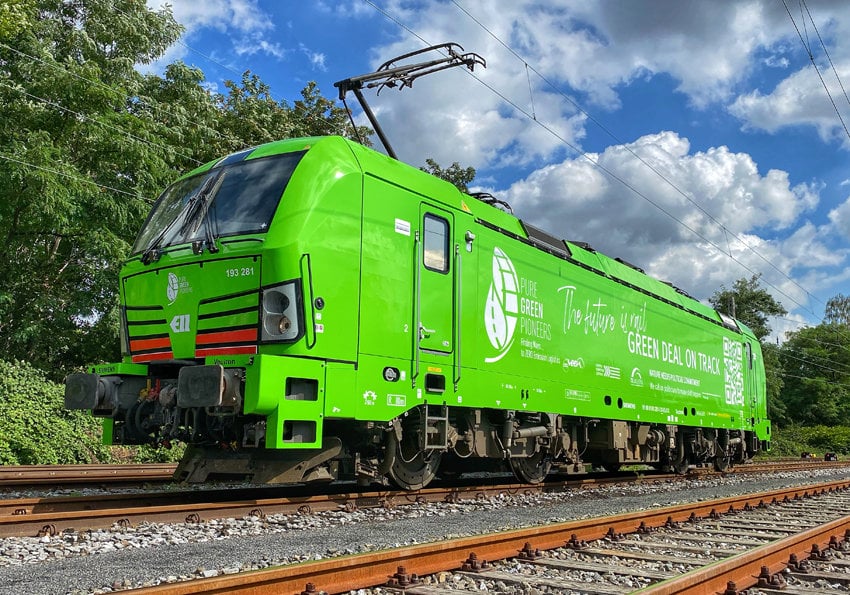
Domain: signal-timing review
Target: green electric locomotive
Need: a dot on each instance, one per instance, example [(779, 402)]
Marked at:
[(311, 309)]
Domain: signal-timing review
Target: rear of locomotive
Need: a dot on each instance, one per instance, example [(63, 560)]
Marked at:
[(219, 320)]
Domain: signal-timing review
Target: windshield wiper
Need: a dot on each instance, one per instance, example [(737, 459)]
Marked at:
[(207, 200), (198, 205), (210, 222), (152, 253)]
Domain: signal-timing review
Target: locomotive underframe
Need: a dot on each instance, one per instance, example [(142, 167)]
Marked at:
[(408, 451), (431, 441)]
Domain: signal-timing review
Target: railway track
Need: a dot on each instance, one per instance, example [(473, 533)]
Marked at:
[(68, 475), (718, 546), (52, 515), (259, 539)]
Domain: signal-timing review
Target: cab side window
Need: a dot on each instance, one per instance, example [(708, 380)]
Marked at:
[(436, 244)]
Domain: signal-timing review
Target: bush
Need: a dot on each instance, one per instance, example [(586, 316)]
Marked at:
[(35, 426), (792, 440)]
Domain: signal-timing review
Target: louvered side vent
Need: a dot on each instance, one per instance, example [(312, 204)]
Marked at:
[(545, 241), (729, 322)]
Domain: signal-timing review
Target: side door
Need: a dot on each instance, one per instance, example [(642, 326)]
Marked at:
[(435, 285), (752, 386)]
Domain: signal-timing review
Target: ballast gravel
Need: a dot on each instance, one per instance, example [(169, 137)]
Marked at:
[(109, 560)]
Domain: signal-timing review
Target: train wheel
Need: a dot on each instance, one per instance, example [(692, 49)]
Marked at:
[(533, 469), (722, 463), (723, 458), (414, 474), (412, 467)]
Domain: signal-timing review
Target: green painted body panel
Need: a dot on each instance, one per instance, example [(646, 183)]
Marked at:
[(180, 309), (503, 325)]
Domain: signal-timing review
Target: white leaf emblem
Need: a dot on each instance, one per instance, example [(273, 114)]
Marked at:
[(502, 305)]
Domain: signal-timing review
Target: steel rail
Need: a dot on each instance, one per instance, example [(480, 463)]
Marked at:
[(338, 575), (40, 516), (31, 516), (743, 571), (18, 475)]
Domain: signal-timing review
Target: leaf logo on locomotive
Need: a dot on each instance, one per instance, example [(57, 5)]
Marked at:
[(173, 288), (500, 312)]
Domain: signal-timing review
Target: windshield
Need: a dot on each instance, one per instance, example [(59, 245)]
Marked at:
[(238, 198)]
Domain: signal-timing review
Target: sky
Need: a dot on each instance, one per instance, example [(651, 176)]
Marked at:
[(703, 141)]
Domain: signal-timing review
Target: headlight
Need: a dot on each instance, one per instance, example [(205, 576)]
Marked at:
[(282, 312)]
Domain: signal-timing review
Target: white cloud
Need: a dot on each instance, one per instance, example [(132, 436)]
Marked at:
[(798, 100), (241, 22), (250, 46), (242, 15), (345, 8), (594, 49), (839, 217), (317, 59), (576, 200)]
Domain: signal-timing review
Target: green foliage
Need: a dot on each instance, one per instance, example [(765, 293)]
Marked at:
[(816, 373), (750, 303), (791, 441), (15, 16), (36, 428), (837, 310), (457, 175), (776, 408), (76, 164), (158, 454)]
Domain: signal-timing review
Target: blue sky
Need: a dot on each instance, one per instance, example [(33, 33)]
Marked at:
[(693, 139)]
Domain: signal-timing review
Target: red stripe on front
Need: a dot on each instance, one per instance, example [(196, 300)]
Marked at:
[(149, 357), (243, 350), (145, 344), (239, 336)]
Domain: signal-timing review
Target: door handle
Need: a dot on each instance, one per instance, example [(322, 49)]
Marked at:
[(424, 333)]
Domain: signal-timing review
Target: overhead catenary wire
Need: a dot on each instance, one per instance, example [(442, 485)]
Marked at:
[(146, 102), (814, 64), (6, 157), (634, 154), (601, 167), (82, 116), (826, 51), (810, 360)]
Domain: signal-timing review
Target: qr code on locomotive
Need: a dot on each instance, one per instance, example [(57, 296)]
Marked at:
[(734, 371)]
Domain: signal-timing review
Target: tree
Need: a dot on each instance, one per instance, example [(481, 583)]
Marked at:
[(838, 310), (15, 15), (777, 409), (455, 174), (76, 164), (750, 303), (816, 372), (88, 143)]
